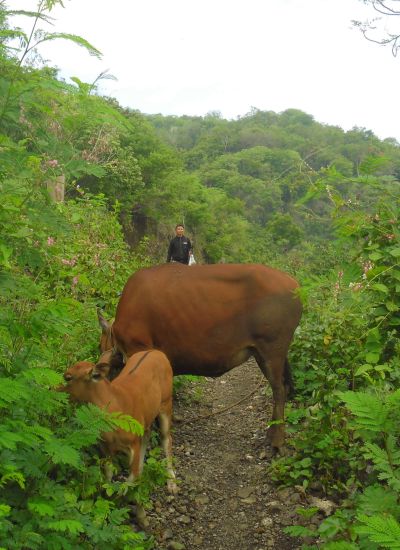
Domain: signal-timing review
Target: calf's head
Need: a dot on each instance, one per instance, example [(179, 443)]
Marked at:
[(81, 378)]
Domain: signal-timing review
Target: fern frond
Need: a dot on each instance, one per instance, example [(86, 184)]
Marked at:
[(41, 507), (127, 423), (61, 453), (377, 500), (63, 525), (369, 410), (34, 14), (78, 40), (44, 376), (11, 34), (9, 440), (12, 391), (384, 530)]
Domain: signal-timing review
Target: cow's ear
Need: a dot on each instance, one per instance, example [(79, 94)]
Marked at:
[(104, 324), (100, 371)]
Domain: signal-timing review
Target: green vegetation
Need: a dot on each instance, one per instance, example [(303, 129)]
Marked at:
[(272, 188)]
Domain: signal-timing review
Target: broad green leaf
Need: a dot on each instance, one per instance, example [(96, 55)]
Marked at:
[(380, 287), (363, 369), (375, 256), (395, 252), (372, 358), (298, 531)]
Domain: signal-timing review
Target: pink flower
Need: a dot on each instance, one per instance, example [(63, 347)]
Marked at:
[(75, 281), (355, 286), (367, 266), (50, 241), (52, 163), (70, 262)]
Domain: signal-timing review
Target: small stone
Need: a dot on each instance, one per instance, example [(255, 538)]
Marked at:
[(249, 500), (202, 499), (167, 534), (274, 506), (197, 540), (267, 522), (294, 498), (245, 492), (184, 519), (283, 495)]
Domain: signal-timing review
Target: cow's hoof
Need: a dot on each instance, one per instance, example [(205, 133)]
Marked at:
[(279, 451)]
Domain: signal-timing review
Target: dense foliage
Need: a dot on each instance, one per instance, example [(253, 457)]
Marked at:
[(269, 188)]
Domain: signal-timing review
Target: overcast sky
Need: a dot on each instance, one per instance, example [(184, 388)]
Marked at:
[(192, 57)]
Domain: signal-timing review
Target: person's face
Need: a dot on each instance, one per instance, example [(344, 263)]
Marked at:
[(179, 231)]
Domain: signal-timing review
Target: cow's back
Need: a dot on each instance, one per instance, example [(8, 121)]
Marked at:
[(204, 316)]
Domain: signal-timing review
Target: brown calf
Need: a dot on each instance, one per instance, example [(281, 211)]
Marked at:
[(143, 392)]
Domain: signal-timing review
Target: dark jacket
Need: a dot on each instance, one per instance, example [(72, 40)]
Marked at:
[(178, 250)]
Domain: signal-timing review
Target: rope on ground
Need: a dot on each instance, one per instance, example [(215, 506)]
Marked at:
[(202, 417)]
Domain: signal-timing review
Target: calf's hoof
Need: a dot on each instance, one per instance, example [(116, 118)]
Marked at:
[(172, 487), (141, 517)]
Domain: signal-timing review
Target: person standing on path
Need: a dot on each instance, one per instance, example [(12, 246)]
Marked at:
[(180, 247)]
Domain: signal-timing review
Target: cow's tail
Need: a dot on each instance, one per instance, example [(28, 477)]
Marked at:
[(288, 380)]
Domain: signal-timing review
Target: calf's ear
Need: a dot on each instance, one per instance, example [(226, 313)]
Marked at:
[(100, 371), (104, 324)]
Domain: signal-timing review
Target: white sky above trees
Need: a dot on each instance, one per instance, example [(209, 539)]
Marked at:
[(192, 57)]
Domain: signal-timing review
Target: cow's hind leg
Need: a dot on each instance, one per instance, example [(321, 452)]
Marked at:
[(274, 367)]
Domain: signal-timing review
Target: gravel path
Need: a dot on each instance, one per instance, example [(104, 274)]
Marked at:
[(226, 500)]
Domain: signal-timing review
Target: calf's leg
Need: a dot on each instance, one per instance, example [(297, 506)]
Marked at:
[(136, 467), (165, 428)]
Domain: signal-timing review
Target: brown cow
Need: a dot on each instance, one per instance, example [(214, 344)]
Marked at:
[(142, 390), (209, 319)]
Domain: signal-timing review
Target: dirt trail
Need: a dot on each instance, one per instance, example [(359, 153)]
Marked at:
[(225, 499)]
